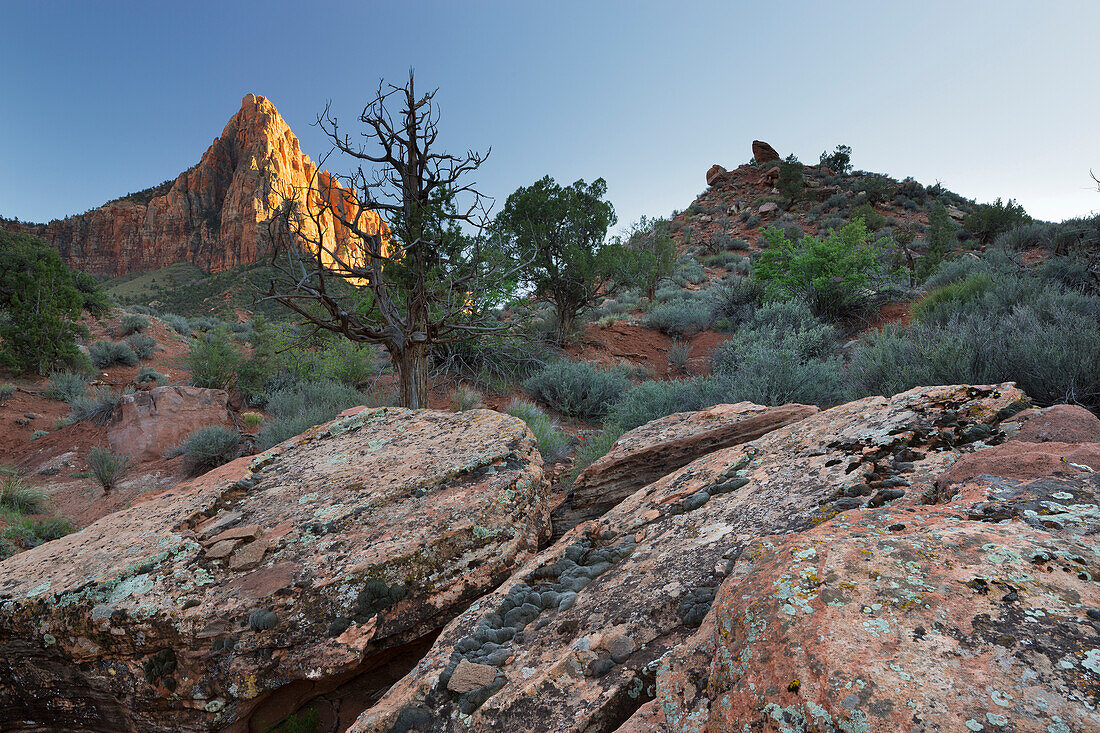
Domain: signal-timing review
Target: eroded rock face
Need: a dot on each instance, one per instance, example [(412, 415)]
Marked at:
[(580, 632), (716, 174), (226, 601), (979, 614), (656, 449), (214, 215), (147, 425)]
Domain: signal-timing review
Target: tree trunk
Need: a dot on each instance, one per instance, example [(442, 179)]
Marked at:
[(566, 319), (411, 365)]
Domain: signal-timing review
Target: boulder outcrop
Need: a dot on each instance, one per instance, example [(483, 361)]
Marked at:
[(224, 602), (763, 152), (147, 425), (656, 449), (581, 634), (213, 215), (716, 174)]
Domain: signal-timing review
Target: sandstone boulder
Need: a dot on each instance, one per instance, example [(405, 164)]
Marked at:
[(658, 448), (767, 207), (1062, 424), (580, 633), (716, 174), (147, 425), (982, 614), (223, 603), (763, 152)]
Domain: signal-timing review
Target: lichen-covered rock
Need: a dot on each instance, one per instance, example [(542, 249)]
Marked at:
[(1061, 424), (214, 215), (579, 633), (982, 614), (226, 601), (656, 449), (147, 425)]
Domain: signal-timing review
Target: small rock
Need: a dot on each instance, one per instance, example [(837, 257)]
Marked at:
[(248, 556), (469, 676)]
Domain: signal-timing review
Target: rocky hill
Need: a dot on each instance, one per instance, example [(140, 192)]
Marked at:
[(213, 215)]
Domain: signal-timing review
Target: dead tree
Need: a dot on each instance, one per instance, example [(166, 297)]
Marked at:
[(397, 252)]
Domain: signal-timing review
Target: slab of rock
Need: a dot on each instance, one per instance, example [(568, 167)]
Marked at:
[(147, 425), (763, 152), (650, 568), (932, 618), (767, 207), (656, 449), (377, 529)]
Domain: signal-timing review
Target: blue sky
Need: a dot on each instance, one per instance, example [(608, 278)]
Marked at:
[(990, 98)]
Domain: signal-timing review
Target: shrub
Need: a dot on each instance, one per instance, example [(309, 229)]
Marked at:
[(594, 447), (552, 442), (133, 323), (20, 497), (213, 360), (6, 391), (252, 419), (870, 217), (791, 182), (688, 271), (148, 374), (679, 318), (832, 273), (106, 466), (296, 408), (465, 398), (986, 221), (648, 401), (1069, 271), (66, 386), (678, 354), (209, 447), (580, 388), (960, 292), (179, 323), (97, 408), (105, 353), (839, 161), (875, 188), (735, 300), (143, 345), (39, 434)]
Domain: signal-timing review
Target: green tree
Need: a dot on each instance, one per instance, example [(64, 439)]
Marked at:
[(561, 231), (941, 235), (986, 221), (839, 161), (651, 254), (214, 360), (791, 182), (40, 305), (832, 272)]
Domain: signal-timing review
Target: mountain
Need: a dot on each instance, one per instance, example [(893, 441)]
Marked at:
[(213, 215)]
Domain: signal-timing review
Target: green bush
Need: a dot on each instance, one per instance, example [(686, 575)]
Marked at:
[(960, 292), (96, 408), (105, 353), (734, 301), (791, 181), (179, 323), (66, 386), (594, 447), (464, 398), (213, 360), (941, 238), (39, 434), (581, 388), (106, 466), (143, 345), (209, 447), (832, 273), (986, 221), (552, 442), (20, 497), (148, 374), (679, 318), (295, 409), (871, 218), (648, 401), (133, 323), (6, 391), (678, 354)]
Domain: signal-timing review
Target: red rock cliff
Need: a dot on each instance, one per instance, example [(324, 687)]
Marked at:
[(214, 215)]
